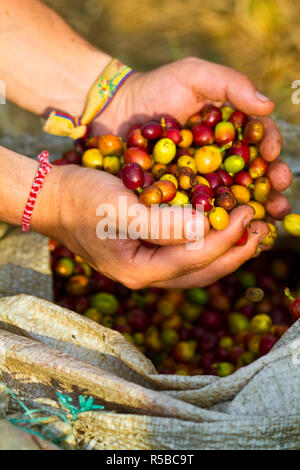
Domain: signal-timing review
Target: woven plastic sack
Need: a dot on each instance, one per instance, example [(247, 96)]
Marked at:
[(45, 349)]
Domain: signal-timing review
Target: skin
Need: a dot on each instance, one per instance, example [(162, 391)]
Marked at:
[(55, 68)]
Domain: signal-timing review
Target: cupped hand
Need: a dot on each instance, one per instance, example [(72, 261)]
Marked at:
[(181, 89)]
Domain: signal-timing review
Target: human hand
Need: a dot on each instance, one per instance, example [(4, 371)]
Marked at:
[(72, 196)]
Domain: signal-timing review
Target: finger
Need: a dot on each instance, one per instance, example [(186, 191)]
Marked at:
[(280, 175), (226, 264), (219, 83), (277, 205), (173, 225), (270, 146), (174, 261)]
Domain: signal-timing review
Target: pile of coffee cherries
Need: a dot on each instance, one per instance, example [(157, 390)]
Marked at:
[(215, 330), (212, 162)]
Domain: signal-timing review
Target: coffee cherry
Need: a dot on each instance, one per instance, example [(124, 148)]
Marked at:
[(169, 177), (92, 142), (211, 115), (187, 161), (224, 369), (237, 322), (164, 151), (169, 337), (202, 201), (208, 159), (186, 178), (234, 164), (225, 200), (243, 240), (253, 152), (187, 139), (92, 158), (260, 211), (226, 112), (173, 134), (254, 131), (170, 122), (93, 314), (245, 359), (241, 194), (158, 170), (211, 320), (138, 320), (152, 130), (226, 343), (184, 351), (180, 199), (266, 344), (260, 324), (201, 188), (208, 343), (148, 179), (254, 294), (77, 285), (105, 303), (225, 177), (213, 179), (294, 306), (241, 148), (198, 295), (224, 133), (269, 239), (202, 180), (132, 176), (244, 179), (291, 223), (202, 135), (194, 120), (110, 145), (238, 119), (168, 190), (64, 267), (111, 164), (219, 218), (138, 155), (262, 188), (136, 139), (151, 195), (72, 157)]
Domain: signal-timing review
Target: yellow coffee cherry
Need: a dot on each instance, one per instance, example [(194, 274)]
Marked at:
[(187, 139), (169, 177), (202, 180), (241, 194), (92, 158), (208, 158), (218, 218), (291, 223), (260, 324), (111, 164), (260, 211), (187, 161), (180, 199), (93, 314), (269, 240), (253, 152)]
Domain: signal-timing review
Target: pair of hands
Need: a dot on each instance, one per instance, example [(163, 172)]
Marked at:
[(179, 89)]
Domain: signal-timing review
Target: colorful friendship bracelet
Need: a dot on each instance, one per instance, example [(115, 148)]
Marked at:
[(99, 96), (42, 171)]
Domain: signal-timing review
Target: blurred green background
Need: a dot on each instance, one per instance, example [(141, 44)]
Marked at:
[(259, 37)]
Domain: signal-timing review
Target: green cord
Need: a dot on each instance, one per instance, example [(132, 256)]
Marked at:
[(85, 404)]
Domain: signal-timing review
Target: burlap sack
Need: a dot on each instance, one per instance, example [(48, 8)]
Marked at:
[(45, 349)]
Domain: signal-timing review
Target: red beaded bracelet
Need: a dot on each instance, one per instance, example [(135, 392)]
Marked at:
[(43, 169)]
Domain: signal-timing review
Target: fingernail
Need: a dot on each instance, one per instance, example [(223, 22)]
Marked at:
[(262, 97)]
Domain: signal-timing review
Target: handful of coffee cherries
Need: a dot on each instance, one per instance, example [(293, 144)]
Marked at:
[(213, 163)]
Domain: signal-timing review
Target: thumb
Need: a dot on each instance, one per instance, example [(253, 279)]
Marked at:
[(220, 83)]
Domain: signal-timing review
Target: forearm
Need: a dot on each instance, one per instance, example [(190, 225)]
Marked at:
[(43, 62)]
